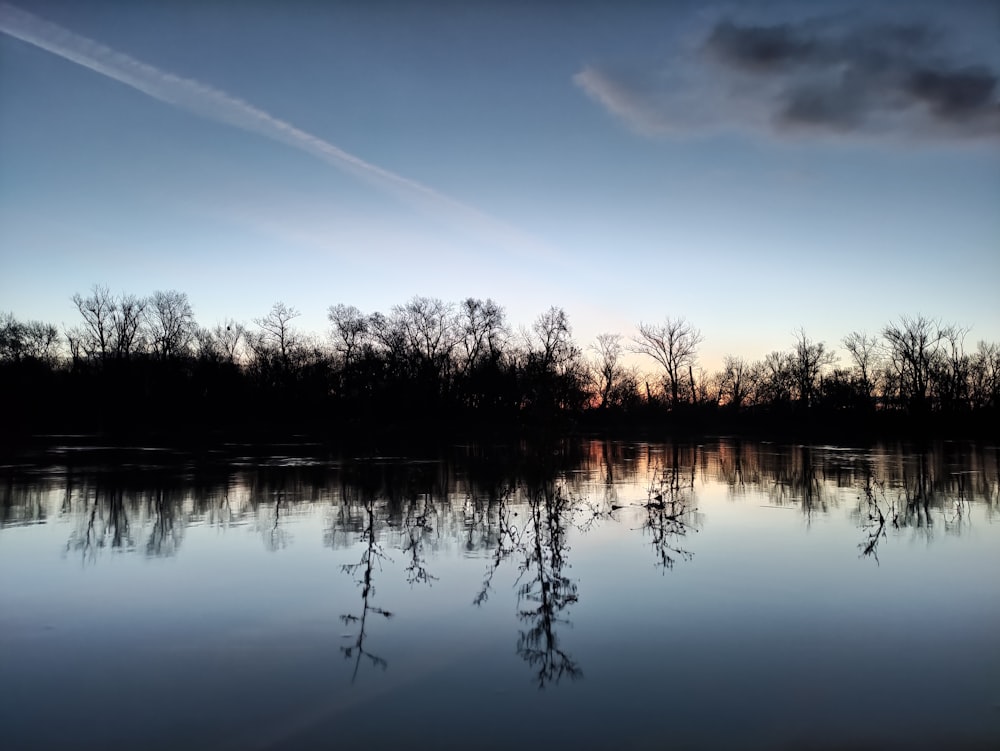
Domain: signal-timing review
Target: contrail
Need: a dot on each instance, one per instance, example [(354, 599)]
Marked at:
[(214, 104)]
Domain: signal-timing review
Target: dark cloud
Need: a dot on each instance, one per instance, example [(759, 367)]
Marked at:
[(844, 75), (838, 107), (760, 48), (956, 94), (815, 44)]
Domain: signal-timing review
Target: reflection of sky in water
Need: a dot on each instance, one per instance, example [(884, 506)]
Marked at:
[(222, 626)]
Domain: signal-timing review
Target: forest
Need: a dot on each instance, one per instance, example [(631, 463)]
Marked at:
[(144, 366)]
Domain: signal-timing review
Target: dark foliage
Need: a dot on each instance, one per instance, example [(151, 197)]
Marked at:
[(143, 367)]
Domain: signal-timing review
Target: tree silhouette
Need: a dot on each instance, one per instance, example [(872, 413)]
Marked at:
[(142, 365), (864, 352), (737, 381), (349, 332), (674, 345), (483, 333), (127, 319), (913, 347), (809, 358), (607, 369), (277, 331), (95, 336), (171, 323)]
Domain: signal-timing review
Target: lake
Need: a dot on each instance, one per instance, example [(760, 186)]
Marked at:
[(591, 594)]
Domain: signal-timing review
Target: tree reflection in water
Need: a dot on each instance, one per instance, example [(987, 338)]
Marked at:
[(959, 517), (543, 590), (538, 542), (508, 507), (418, 524), (106, 525), (668, 511), (165, 533), (274, 534), (919, 495), (874, 511), (372, 555), (497, 529), (793, 476)]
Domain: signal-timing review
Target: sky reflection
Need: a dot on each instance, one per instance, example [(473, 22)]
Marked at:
[(725, 584)]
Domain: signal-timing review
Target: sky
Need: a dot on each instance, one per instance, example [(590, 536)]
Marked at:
[(755, 167)]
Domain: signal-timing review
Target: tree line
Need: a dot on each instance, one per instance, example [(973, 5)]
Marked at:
[(145, 364)]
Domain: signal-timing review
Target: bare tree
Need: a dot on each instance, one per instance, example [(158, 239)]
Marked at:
[(736, 382), (231, 338), (984, 376), (482, 330), (913, 345), (224, 342), (112, 327), (10, 337), (277, 330), (554, 340), (554, 370), (704, 388), (808, 360), (774, 379), (389, 337), (206, 347), (863, 349), (126, 324), (171, 323), (607, 369), (674, 345), (97, 332), (33, 340), (76, 336), (426, 323), (627, 391), (41, 341), (953, 368), (349, 331)]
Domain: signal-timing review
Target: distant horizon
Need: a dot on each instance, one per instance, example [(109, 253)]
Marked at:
[(625, 163), (710, 357), (520, 332)]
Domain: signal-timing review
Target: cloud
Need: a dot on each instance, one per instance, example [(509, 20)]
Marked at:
[(818, 77), (631, 96), (214, 104)]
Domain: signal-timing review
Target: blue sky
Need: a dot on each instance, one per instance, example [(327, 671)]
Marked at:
[(754, 167)]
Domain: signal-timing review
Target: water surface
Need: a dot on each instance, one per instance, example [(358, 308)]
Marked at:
[(589, 595)]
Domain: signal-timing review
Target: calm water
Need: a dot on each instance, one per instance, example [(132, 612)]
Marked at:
[(596, 595)]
